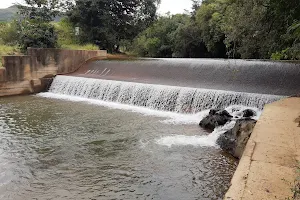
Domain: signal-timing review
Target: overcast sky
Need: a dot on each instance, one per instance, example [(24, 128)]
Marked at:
[(172, 6)]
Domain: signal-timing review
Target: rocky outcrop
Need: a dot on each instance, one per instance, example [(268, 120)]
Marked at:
[(214, 119), (234, 141)]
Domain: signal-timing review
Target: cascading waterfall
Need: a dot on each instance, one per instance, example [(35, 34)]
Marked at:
[(157, 97)]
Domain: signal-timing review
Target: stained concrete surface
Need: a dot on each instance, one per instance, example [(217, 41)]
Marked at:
[(267, 169)]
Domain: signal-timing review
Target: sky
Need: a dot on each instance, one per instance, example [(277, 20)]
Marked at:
[(172, 6)]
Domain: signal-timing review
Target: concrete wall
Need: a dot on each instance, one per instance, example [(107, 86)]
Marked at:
[(267, 169), (66, 61), (25, 74)]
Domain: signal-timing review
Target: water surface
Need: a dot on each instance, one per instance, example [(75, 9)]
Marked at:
[(54, 149)]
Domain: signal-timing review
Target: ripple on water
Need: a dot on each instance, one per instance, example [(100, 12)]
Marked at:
[(52, 149)]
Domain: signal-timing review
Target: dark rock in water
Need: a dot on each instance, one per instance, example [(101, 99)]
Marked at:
[(213, 111), (234, 141), (214, 119), (248, 113)]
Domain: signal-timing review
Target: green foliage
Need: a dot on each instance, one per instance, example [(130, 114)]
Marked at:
[(35, 29), (108, 22), (66, 32), (188, 42), (8, 50), (295, 187), (80, 47), (159, 39), (37, 35), (257, 28), (210, 21), (199, 35), (8, 33)]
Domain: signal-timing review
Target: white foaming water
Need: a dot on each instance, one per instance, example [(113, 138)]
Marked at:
[(202, 141), (156, 97), (172, 117), (179, 105)]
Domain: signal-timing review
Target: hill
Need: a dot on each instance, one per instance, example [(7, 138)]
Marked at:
[(7, 13)]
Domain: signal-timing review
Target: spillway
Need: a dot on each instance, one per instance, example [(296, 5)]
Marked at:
[(157, 97), (182, 85), (250, 76)]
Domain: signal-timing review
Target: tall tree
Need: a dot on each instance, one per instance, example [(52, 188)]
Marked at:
[(107, 22), (210, 21), (159, 40), (34, 23), (256, 27)]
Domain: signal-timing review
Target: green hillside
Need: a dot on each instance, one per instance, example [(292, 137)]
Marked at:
[(7, 13)]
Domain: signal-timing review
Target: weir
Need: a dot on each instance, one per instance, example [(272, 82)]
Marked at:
[(157, 97), (182, 85), (250, 76)]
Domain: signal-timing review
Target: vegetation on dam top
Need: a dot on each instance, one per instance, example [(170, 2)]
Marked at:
[(215, 28)]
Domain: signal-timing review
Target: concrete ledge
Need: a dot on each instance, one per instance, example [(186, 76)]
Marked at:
[(22, 74), (15, 88), (267, 168)]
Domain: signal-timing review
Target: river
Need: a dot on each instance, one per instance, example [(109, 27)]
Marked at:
[(58, 149)]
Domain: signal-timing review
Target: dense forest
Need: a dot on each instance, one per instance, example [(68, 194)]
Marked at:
[(256, 29)]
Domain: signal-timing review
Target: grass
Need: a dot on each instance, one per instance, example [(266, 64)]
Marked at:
[(8, 50), (296, 186), (80, 47), (14, 50), (296, 189)]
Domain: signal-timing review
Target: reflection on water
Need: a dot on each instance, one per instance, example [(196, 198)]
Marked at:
[(52, 149)]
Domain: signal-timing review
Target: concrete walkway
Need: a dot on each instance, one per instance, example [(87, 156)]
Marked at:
[(267, 169)]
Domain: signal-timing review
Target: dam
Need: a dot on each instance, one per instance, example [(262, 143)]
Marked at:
[(128, 129)]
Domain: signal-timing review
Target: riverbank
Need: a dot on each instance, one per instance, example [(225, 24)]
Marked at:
[(267, 169)]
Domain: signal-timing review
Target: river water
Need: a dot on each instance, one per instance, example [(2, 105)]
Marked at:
[(57, 149)]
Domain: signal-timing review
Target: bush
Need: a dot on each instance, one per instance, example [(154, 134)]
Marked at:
[(9, 34), (37, 35), (8, 50), (292, 53), (65, 32), (80, 47)]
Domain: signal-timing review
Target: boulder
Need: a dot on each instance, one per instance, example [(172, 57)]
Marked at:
[(215, 118), (248, 113), (234, 141)]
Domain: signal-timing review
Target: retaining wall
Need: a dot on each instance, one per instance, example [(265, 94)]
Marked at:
[(267, 169), (26, 74)]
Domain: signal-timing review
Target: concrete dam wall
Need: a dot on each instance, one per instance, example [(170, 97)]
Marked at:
[(263, 77), (26, 74)]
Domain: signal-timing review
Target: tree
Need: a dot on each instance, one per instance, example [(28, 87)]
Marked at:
[(34, 23), (188, 42), (159, 39), (256, 27), (65, 32), (107, 22), (210, 21), (9, 33)]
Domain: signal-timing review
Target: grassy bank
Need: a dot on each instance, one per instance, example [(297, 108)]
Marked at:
[(80, 47), (296, 189), (14, 50), (8, 50)]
